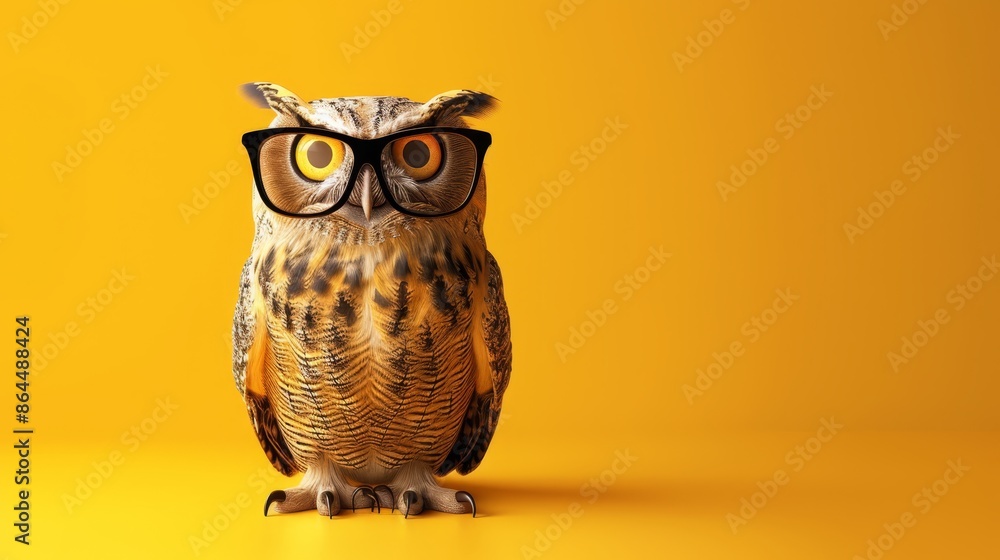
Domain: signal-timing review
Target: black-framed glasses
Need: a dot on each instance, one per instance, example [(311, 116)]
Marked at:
[(310, 172)]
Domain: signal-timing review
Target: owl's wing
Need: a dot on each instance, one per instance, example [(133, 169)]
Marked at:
[(253, 365), (493, 343)]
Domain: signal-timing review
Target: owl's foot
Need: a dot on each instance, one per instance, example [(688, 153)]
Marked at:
[(325, 490), (326, 502), (417, 491), (448, 501), (412, 490)]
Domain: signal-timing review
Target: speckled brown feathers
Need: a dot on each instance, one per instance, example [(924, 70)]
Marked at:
[(378, 353)]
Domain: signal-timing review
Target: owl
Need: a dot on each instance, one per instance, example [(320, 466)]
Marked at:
[(371, 339)]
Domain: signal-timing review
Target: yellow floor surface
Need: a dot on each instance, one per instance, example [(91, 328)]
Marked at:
[(714, 495)]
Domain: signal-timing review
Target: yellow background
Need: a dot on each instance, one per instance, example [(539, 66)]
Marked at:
[(164, 335)]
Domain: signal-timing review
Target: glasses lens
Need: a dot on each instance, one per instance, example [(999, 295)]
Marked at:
[(430, 174), (304, 174)]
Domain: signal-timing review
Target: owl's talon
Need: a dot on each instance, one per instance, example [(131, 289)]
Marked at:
[(330, 498), (367, 492), (276, 496), (392, 498), (353, 496), (463, 496), (409, 498)]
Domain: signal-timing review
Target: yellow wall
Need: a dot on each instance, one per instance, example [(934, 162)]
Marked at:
[(607, 210)]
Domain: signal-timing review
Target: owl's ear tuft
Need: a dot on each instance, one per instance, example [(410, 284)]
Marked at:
[(459, 103), (281, 100)]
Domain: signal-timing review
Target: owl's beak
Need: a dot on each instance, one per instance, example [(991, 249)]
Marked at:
[(366, 194), (366, 199)]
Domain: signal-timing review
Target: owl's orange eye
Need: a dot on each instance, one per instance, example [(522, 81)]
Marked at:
[(418, 155), (317, 157)]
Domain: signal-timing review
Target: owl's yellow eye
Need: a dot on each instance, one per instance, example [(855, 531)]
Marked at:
[(317, 157), (418, 155)]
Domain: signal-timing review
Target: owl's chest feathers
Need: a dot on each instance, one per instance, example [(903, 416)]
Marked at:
[(396, 313)]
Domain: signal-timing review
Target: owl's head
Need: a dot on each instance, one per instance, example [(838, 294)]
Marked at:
[(367, 162)]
